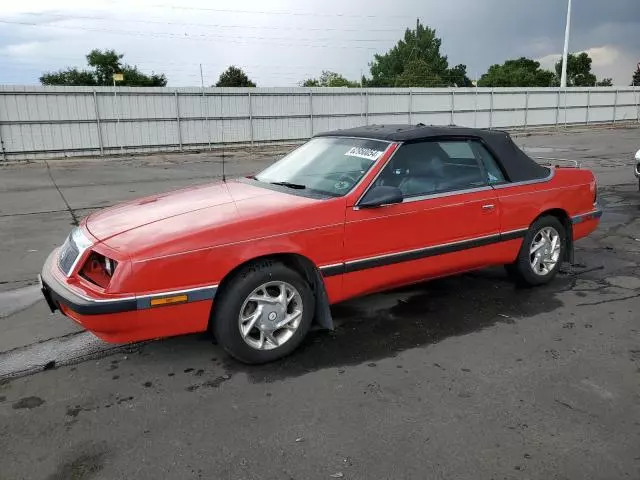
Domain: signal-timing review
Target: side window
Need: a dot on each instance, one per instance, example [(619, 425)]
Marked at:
[(494, 173), (432, 167)]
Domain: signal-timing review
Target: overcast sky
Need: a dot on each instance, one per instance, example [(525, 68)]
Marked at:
[(282, 42)]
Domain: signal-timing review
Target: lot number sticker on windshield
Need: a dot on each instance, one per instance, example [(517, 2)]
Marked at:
[(368, 153)]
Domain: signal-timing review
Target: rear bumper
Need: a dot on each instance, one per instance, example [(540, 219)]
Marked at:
[(593, 215), (585, 224), (127, 319)]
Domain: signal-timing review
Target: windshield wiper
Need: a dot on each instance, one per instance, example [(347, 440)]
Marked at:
[(297, 186)]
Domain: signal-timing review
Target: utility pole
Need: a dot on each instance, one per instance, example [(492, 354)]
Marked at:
[(565, 54)]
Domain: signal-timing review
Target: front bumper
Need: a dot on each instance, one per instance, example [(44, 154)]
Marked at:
[(130, 319), (56, 293)]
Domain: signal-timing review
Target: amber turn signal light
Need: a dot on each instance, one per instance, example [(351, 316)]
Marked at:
[(156, 302)]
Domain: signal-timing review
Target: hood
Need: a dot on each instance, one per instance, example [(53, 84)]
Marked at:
[(118, 219), (199, 217)]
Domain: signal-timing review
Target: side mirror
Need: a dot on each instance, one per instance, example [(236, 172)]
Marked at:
[(381, 195)]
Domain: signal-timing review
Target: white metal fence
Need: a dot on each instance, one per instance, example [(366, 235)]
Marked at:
[(66, 121)]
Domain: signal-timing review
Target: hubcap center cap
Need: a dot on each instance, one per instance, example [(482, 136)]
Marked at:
[(273, 316)]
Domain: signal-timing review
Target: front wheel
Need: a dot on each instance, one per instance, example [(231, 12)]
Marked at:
[(264, 313), (541, 253)]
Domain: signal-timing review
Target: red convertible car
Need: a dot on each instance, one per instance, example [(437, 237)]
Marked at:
[(257, 260)]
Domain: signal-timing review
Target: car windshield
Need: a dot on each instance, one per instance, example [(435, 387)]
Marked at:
[(329, 165)]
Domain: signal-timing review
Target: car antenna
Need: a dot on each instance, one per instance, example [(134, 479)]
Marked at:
[(224, 177)]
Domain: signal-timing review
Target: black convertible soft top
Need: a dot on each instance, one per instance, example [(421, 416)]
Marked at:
[(517, 165)]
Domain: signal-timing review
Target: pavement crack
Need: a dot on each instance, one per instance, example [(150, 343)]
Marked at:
[(69, 209), (611, 300)]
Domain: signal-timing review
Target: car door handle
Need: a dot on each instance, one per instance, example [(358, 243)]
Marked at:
[(488, 206)]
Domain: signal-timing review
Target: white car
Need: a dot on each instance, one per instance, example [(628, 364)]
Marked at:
[(637, 169)]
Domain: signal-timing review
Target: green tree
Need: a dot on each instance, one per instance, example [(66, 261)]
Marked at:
[(522, 72), (330, 79), (70, 77), (635, 81), (605, 82), (458, 76), (103, 64), (578, 70), (418, 47), (234, 77), (418, 73)]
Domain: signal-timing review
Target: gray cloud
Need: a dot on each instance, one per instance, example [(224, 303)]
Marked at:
[(285, 48)]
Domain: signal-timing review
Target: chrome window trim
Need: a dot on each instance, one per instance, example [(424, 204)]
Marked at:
[(552, 172), (446, 194)]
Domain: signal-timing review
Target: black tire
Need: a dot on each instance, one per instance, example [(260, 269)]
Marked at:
[(521, 270), (224, 321)]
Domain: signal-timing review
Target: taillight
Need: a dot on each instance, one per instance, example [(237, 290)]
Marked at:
[(98, 269)]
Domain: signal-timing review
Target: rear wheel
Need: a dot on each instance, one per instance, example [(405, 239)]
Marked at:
[(541, 253), (264, 313)]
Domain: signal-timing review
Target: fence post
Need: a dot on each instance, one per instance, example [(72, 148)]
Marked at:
[(557, 108), (526, 110), (410, 106), (588, 105), (178, 118), (95, 104), (453, 106), (250, 118), (475, 110), (207, 122), (615, 106), (491, 111), (4, 153), (635, 94), (311, 110), (565, 109), (366, 107)]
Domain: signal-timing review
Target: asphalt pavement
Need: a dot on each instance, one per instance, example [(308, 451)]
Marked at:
[(466, 377)]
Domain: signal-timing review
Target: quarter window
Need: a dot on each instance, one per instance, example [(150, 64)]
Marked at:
[(494, 173)]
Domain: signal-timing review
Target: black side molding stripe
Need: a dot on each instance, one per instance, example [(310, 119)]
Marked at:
[(373, 262), (84, 307), (192, 296), (92, 308), (512, 235), (597, 213), (332, 270)]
